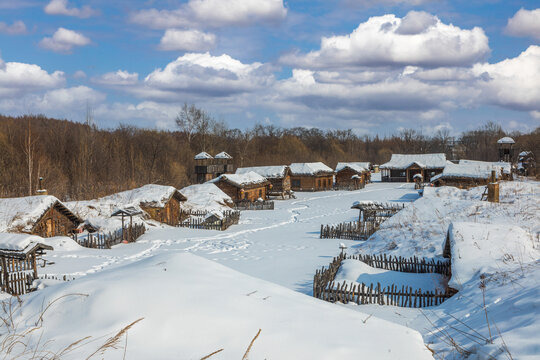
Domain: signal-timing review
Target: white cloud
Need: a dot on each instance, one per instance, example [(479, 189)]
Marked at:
[(525, 23), (64, 40), (206, 75), (18, 27), (118, 78), (79, 74), (187, 40), (212, 13), (61, 7), (535, 114), (17, 78), (513, 83), (418, 39)]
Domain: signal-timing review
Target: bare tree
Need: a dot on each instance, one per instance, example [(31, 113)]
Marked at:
[(28, 149), (188, 119)]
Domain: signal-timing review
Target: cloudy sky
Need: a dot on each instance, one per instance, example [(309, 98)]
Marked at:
[(375, 66)]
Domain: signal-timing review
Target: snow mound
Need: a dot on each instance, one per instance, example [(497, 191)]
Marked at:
[(354, 271), (192, 307), (487, 248)]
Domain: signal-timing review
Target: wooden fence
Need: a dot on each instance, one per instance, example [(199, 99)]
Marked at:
[(325, 288), (391, 295), (197, 220), (398, 263), (356, 230), (106, 241), (256, 205), (17, 275)]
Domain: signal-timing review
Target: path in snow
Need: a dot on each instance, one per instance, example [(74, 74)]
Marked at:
[(281, 246)]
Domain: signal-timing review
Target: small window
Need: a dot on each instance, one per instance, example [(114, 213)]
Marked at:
[(260, 193), (296, 183)]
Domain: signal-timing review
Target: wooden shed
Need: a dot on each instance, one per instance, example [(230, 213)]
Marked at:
[(352, 175), (243, 187), (314, 176), (403, 167), (279, 177), (42, 215), (18, 261)]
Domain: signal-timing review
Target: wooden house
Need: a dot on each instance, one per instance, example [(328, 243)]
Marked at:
[(352, 175), (18, 261), (161, 203), (42, 215), (311, 177), (470, 173), (158, 202), (208, 167), (243, 187), (403, 167), (279, 177)]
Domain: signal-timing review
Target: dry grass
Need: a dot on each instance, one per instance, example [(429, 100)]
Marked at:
[(27, 344)]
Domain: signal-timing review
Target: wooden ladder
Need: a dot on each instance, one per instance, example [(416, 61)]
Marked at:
[(485, 195)]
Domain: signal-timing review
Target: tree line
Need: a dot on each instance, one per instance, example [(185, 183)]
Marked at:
[(78, 161)]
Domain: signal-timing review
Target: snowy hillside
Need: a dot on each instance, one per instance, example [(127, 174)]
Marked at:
[(191, 307)]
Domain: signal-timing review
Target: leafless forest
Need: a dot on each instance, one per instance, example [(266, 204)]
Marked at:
[(79, 161)]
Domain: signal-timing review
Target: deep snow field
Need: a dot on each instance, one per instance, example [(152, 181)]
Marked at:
[(198, 291)]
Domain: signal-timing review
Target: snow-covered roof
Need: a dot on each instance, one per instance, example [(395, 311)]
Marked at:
[(487, 248), (470, 170), (240, 180), (313, 168), (150, 195), (525, 153), (21, 214), (20, 243), (425, 161), (356, 166), (223, 155), (496, 165), (206, 197), (203, 155), (269, 172), (506, 140)]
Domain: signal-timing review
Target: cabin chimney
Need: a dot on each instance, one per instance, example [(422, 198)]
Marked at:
[(41, 190)]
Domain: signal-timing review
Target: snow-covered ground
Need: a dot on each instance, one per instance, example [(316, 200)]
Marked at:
[(222, 303)]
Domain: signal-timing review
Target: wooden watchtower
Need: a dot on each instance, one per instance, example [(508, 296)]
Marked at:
[(506, 149)]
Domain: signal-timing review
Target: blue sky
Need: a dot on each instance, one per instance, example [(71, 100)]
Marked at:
[(373, 66)]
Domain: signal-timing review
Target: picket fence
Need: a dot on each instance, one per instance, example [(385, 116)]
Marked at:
[(325, 288), (106, 241), (356, 230), (197, 220), (256, 205)]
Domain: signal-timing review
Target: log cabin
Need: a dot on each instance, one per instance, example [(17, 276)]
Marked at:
[(243, 187), (470, 173), (42, 215), (352, 175), (314, 176), (279, 177), (403, 167), (158, 202)]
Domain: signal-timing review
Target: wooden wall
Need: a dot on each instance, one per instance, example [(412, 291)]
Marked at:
[(312, 183), (169, 214), (53, 223), (281, 184), (344, 177)]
